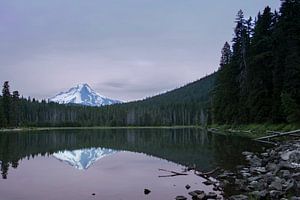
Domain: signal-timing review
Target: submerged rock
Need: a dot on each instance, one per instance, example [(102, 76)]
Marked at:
[(187, 186), (208, 182), (147, 191), (181, 198), (211, 195), (195, 193)]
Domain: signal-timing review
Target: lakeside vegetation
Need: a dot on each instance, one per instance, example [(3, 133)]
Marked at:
[(258, 83)]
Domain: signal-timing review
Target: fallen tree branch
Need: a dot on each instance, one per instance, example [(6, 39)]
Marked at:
[(207, 173), (173, 173)]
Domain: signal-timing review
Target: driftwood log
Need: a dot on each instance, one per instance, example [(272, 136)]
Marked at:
[(173, 173)]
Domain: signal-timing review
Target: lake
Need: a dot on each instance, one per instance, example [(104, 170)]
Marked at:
[(112, 163)]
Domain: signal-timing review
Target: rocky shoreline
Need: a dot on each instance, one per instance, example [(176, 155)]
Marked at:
[(273, 174)]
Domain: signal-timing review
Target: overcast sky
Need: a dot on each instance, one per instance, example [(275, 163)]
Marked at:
[(124, 49)]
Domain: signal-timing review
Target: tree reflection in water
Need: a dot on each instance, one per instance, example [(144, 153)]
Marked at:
[(182, 146)]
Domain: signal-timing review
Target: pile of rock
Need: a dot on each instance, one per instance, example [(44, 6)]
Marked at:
[(200, 195), (274, 174)]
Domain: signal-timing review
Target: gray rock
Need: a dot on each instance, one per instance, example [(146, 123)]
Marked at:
[(269, 178), (296, 176), (255, 185), (286, 165), (290, 185), (240, 182), (271, 166), (201, 196), (274, 194), (208, 182), (246, 174), (254, 178), (285, 173), (286, 155), (181, 198), (195, 193), (258, 170), (264, 154), (247, 153), (276, 185), (211, 195), (255, 161), (295, 198), (291, 156), (238, 197), (222, 176), (259, 194)]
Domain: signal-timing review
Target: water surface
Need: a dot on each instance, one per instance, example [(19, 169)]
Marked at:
[(112, 163)]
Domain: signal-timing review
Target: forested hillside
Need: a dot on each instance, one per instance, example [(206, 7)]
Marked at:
[(184, 106), (259, 77)]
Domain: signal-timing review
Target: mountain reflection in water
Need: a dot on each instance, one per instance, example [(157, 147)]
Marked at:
[(182, 146), (82, 159)]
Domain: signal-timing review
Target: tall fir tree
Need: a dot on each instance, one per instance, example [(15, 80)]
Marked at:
[(15, 109), (3, 122), (6, 102), (259, 99), (225, 89), (241, 43)]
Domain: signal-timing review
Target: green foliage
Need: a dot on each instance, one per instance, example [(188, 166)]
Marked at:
[(6, 102), (261, 83), (291, 108)]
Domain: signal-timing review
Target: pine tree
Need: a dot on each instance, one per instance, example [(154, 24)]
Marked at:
[(6, 102), (15, 112), (260, 69), (3, 122), (225, 89), (226, 55), (241, 43)]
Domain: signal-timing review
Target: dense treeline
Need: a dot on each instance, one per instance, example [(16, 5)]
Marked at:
[(259, 77), (183, 106)]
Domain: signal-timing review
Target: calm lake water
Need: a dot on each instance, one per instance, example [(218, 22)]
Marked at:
[(111, 164)]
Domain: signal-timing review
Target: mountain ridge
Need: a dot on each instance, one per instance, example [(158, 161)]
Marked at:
[(83, 94)]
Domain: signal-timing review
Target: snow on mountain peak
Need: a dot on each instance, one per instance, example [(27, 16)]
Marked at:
[(83, 94), (82, 159)]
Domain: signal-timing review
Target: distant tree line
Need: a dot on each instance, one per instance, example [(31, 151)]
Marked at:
[(183, 106), (259, 76)]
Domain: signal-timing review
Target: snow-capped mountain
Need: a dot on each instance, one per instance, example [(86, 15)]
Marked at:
[(83, 94), (82, 159)]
